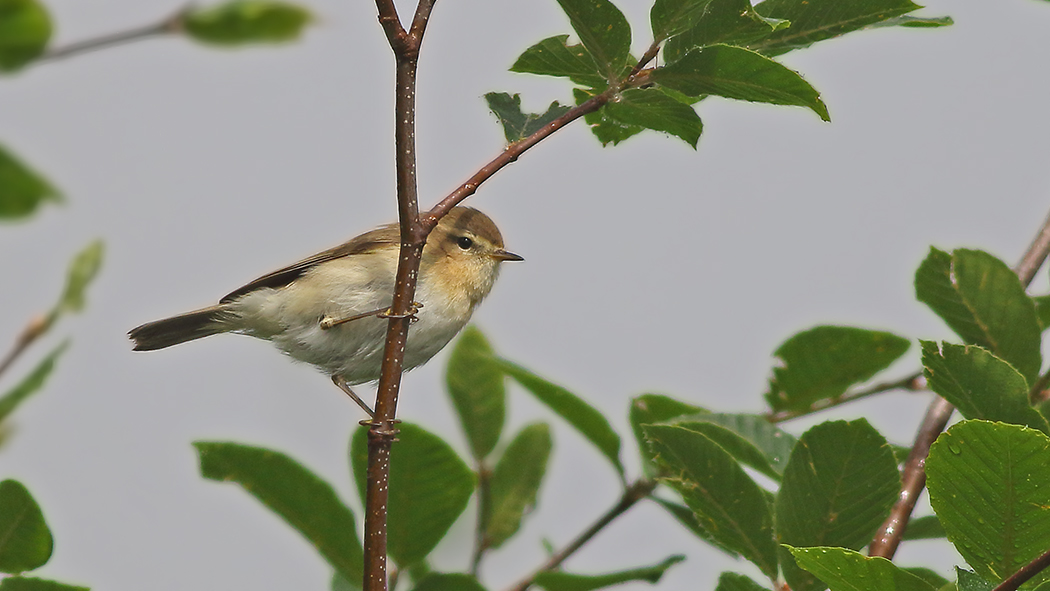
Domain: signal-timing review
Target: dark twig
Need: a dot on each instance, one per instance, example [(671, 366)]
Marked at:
[(913, 383), (637, 491), (914, 476), (1025, 573), (168, 26)]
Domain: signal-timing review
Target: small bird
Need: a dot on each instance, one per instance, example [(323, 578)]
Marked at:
[(328, 310)]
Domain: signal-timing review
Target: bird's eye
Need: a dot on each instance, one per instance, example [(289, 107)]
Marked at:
[(464, 242)]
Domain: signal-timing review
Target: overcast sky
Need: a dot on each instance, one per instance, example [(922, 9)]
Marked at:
[(650, 267)]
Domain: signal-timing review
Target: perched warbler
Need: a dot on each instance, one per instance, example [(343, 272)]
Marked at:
[(327, 310)]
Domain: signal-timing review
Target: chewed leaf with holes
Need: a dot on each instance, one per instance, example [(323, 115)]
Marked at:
[(518, 125)]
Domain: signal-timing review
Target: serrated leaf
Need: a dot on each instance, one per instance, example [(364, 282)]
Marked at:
[(25, 540), (917, 22), (301, 498), (31, 383), (604, 31), (243, 22), (34, 584), (751, 439), (671, 17), (22, 190), (987, 484), (846, 570), (655, 408), (476, 385), (728, 504), (839, 485), (979, 384), (653, 109), (735, 582), (969, 581), (555, 57), (563, 581), (82, 271), (983, 301), (732, 22), (449, 582), (583, 417), (429, 488), (738, 73), (516, 481), (823, 362), (686, 517), (516, 124), (927, 527), (606, 129), (818, 20), (25, 29)]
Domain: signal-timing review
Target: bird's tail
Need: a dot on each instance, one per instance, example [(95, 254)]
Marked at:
[(179, 329)]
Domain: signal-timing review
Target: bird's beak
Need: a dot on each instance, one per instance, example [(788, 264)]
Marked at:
[(502, 255)]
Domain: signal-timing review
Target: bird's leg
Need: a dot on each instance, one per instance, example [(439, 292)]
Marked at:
[(413, 309), (329, 322), (341, 383)]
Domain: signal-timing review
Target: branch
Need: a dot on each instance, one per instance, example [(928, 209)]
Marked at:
[(912, 383), (167, 26), (637, 491), (1025, 573), (32, 331), (914, 477)]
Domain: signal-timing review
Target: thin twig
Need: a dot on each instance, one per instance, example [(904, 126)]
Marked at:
[(32, 331), (167, 26), (913, 478), (637, 491), (1026, 572), (912, 383)]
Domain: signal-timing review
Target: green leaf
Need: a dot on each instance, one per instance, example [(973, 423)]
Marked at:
[(562, 581), (297, 495), (751, 439), (604, 31), (31, 383), (586, 419), (34, 584), (846, 570), (983, 301), (969, 581), (737, 73), (686, 517), (25, 540), (839, 485), (429, 488), (516, 124), (476, 385), (818, 20), (655, 408), (449, 582), (555, 57), (516, 481), (733, 22), (671, 17), (728, 504), (917, 22), (606, 129), (927, 527), (340, 583), (25, 29), (987, 484), (22, 190), (242, 22), (736, 582), (979, 384), (935, 580), (653, 109), (82, 271), (1042, 310), (823, 362)]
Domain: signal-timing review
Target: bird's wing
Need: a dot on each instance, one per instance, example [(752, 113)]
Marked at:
[(366, 242)]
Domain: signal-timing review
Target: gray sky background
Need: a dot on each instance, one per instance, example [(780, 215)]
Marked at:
[(650, 267)]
